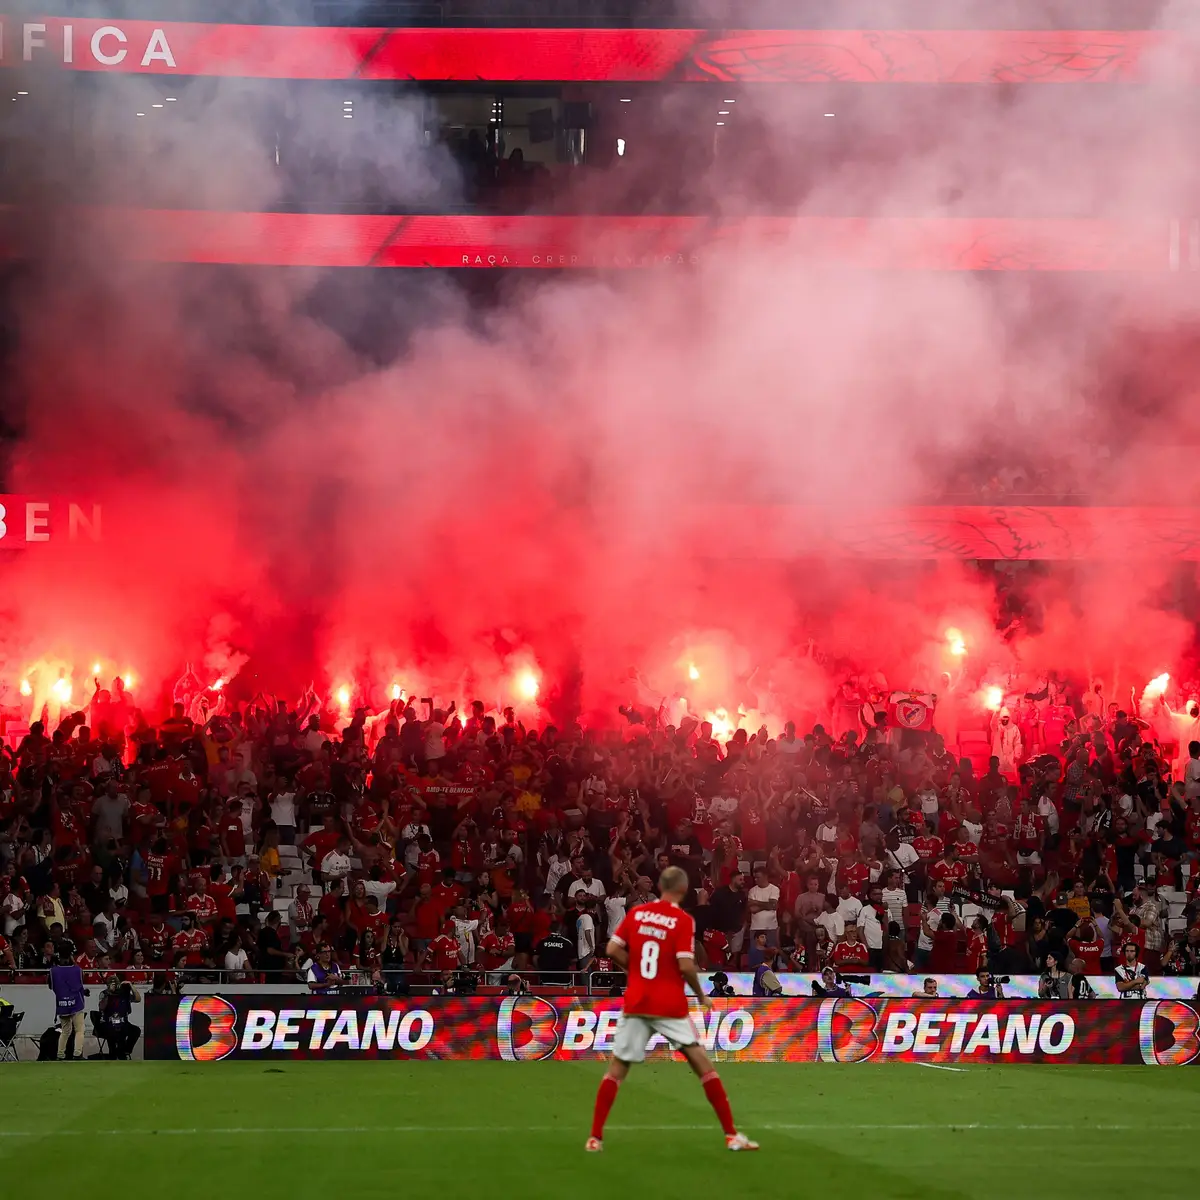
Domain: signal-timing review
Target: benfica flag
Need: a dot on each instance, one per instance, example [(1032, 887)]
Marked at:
[(911, 710)]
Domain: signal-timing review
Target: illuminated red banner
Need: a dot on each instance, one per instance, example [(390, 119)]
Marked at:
[(528, 1028), (27, 521), (602, 55), (541, 242)]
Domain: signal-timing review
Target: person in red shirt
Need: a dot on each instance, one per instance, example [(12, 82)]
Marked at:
[(1029, 833), (447, 892), (496, 951), (189, 942), (425, 915), (332, 906), (232, 833), (716, 948), (320, 841), (222, 893), (429, 862), (1085, 944), (443, 954), (928, 845), (948, 869), (968, 851), (851, 953), (655, 945), (160, 870), (144, 819), (975, 955), (855, 874), (945, 954), (156, 938), (202, 906)]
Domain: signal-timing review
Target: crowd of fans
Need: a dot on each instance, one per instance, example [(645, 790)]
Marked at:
[(411, 847)]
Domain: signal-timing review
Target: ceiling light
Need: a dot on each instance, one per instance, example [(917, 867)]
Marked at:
[(626, 100), (156, 106), (170, 99), (141, 114), (723, 113), (720, 122), (348, 116), (829, 114), (22, 93), (728, 101), (620, 147)]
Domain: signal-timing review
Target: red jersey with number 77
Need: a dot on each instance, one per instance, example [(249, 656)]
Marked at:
[(656, 936)]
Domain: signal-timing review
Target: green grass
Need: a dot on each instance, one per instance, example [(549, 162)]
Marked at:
[(425, 1129)]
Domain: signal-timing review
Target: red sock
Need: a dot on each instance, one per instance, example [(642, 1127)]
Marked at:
[(605, 1095), (714, 1089)]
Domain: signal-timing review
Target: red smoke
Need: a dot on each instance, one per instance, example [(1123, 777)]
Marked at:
[(516, 493)]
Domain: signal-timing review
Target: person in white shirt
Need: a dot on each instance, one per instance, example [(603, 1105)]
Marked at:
[(336, 864), (763, 905), (464, 933), (872, 928), (932, 917), (557, 865), (313, 739), (614, 912), (831, 920), (899, 856), (237, 960), (1191, 772), (789, 743), (895, 898), (585, 932), (283, 813), (380, 890), (827, 834), (588, 885), (849, 906)]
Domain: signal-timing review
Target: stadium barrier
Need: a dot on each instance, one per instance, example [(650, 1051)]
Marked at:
[(213, 1027)]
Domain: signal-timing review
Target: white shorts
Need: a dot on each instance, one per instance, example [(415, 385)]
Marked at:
[(634, 1033)]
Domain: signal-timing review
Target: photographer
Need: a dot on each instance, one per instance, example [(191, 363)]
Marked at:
[(1053, 984), (987, 986), (720, 985), (116, 1007), (831, 985)]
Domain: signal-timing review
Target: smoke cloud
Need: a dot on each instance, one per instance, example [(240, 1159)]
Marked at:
[(367, 482)]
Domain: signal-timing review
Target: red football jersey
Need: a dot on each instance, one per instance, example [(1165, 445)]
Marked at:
[(657, 936)]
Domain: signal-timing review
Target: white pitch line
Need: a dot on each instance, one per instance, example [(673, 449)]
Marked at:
[(943, 1067), (257, 1131)]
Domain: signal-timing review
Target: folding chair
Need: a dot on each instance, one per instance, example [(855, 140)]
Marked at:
[(104, 1047), (10, 1024)]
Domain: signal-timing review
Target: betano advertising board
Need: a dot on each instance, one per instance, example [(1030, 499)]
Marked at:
[(212, 1028)]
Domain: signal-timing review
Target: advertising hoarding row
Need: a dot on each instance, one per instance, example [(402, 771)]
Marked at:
[(213, 1028)]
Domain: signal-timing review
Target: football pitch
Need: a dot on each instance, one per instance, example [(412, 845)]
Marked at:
[(391, 1129)]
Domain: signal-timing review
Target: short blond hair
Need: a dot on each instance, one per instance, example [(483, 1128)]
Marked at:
[(673, 879)]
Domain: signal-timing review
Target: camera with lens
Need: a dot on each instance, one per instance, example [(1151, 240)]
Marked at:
[(1002, 978), (464, 983)]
